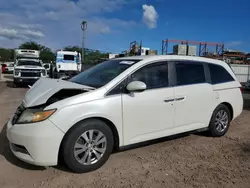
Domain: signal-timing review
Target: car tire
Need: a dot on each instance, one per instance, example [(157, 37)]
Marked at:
[(76, 156), (14, 85), (220, 121)]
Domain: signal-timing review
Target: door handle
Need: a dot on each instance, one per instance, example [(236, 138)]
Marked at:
[(168, 100), (179, 99)]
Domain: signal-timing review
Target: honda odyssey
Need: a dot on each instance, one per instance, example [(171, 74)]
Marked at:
[(120, 102)]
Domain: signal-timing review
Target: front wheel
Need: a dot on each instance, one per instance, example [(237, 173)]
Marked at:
[(14, 85), (87, 146), (220, 121)]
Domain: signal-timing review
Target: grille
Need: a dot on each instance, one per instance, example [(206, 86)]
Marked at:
[(18, 113), (30, 74)]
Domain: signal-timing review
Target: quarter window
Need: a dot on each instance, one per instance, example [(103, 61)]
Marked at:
[(189, 73), (154, 75), (219, 74)]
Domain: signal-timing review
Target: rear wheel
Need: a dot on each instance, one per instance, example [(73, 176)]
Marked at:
[(88, 146), (220, 121)]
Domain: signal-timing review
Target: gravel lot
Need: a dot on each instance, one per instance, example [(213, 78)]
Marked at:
[(193, 160)]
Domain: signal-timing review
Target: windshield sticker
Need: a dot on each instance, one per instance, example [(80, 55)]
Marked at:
[(127, 62)]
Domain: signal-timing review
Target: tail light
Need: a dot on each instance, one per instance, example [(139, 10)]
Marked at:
[(241, 89)]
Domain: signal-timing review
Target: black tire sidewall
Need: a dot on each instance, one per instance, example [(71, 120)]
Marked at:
[(212, 126), (74, 134)]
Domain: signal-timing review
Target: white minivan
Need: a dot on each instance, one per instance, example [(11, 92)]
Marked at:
[(120, 102)]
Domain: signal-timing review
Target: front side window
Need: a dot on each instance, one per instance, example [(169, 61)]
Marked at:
[(154, 75), (188, 73), (102, 73), (219, 74)]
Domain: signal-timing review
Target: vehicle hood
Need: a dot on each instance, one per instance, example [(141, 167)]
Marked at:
[(44, 88), (30, 67)]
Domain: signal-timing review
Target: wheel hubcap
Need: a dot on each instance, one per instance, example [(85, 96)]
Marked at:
[(90, 147), (221, 121)]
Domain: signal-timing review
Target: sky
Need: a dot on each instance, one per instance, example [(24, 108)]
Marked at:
[(113, 24)]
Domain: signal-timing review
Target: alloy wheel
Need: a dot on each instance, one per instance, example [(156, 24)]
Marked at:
[(221, 121), (90, 147)]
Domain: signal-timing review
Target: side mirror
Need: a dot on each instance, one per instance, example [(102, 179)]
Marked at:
[(136, 86)]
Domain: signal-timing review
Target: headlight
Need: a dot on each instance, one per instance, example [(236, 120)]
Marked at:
[(17, 72), (34, 115)]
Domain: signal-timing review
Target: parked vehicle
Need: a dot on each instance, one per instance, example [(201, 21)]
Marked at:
[(247, 85), (28, 67), (68, 63), (8, 68), (3, 66), (120, 102)]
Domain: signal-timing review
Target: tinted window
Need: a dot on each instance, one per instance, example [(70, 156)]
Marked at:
[(189, 73), (154, 76), (69, 57), (219, 74)]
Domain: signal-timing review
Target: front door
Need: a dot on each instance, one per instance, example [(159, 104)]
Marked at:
[(148, 114)]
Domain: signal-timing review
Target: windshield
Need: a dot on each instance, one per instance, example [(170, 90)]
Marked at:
[(28, 62), (103, 73)]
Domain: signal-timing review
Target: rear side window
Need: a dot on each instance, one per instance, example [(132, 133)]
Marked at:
[(219, 74), (189, 73)]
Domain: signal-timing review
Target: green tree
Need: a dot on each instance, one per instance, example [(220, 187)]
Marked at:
[(31, 45), (73, 49), (90, 56), (46, 54), (6, 54)]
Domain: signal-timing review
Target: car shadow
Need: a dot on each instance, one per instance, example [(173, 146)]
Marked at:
[(246, 97), (246, 104), (10, 84), (246, 148), (9, 156)]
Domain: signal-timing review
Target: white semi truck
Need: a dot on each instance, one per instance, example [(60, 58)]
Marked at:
[(28, 67), (68, 63)]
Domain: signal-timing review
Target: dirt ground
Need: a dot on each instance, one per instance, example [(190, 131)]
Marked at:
[(193, 160)]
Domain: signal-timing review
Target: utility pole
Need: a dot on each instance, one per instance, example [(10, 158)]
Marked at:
[(1, 72), (84, 27)]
